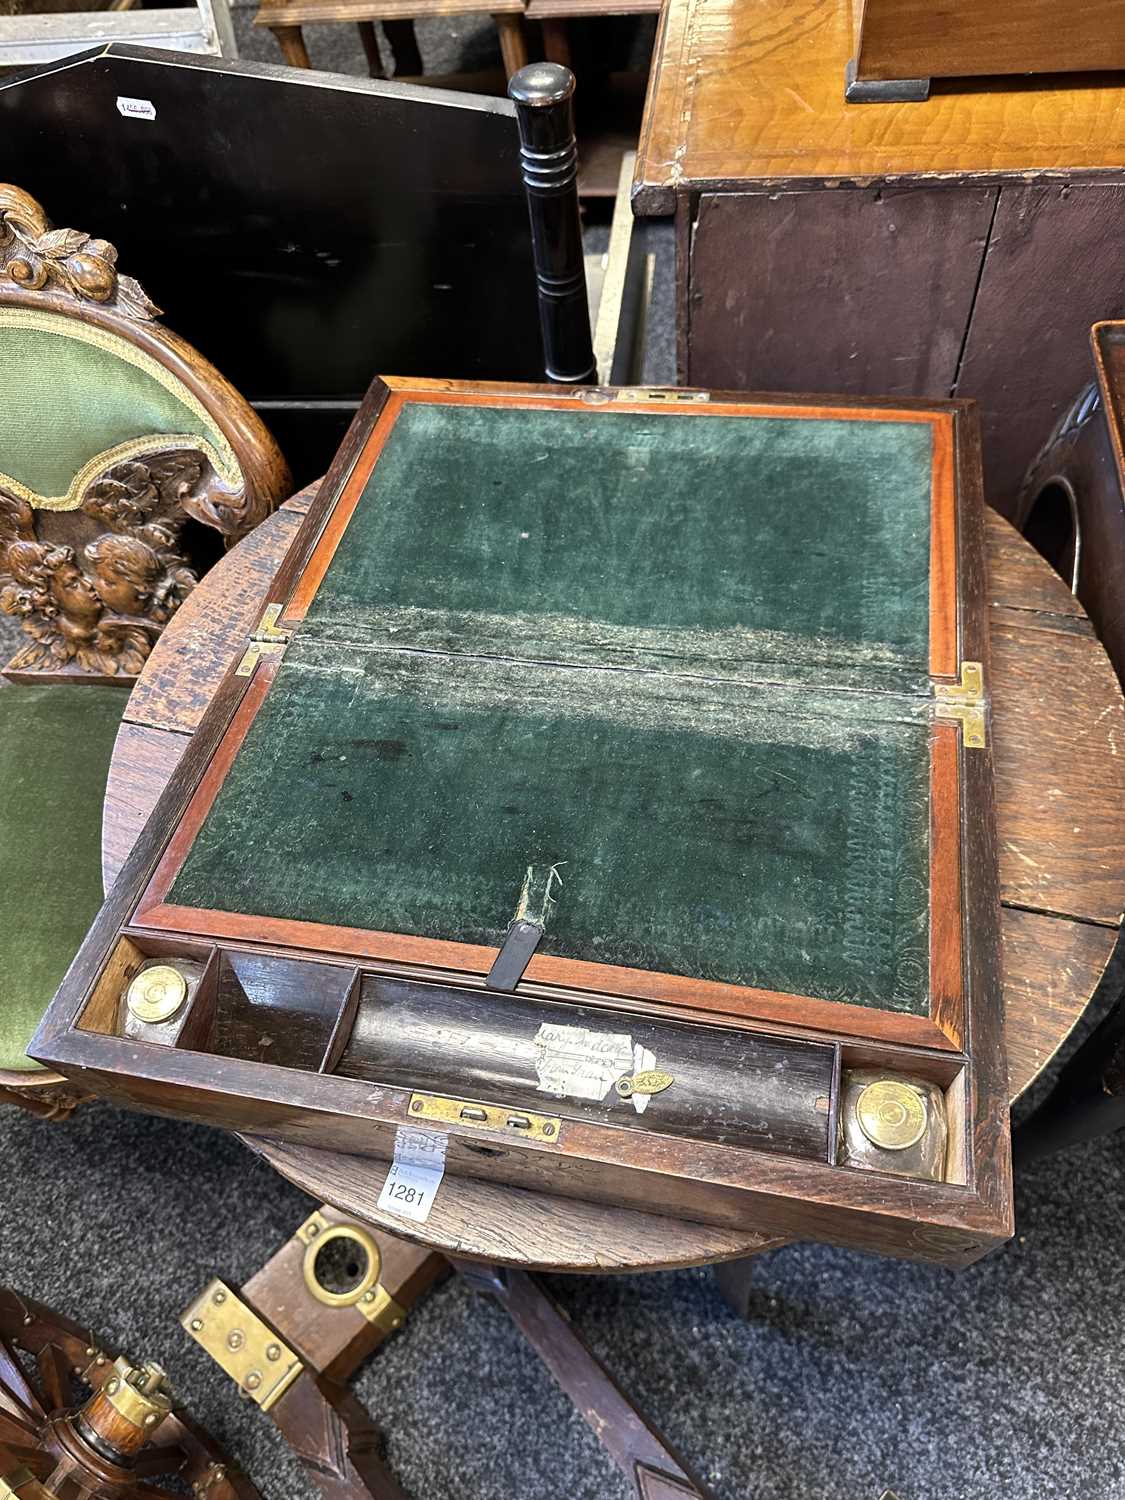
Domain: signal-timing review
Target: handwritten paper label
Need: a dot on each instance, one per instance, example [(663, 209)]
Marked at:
[(573, 1062), (136, 109), (415, 1174)]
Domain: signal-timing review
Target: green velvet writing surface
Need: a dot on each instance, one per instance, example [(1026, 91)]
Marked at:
[(678, 660), (702, 543), (64, 401), (729, 834)]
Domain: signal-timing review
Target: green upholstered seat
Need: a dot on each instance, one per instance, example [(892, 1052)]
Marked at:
[(75, 399), (55, 747)]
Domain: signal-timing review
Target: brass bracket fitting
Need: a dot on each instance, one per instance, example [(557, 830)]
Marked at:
[(265, 640), (242, 1344), (966, 702), (367, 1294)]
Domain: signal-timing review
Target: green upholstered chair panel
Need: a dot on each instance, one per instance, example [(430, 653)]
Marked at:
[(625, 647), (75, 399), (55, 747)]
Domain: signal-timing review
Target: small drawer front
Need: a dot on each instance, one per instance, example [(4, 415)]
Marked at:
[(702, 1082)]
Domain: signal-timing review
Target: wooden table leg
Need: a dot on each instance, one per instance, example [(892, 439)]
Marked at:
[(1087, 1101), (292, 43), (652, 1468), (403, 42), (556, 41), (330, 1432), (513, 42), (371, 51), (734, 1279)]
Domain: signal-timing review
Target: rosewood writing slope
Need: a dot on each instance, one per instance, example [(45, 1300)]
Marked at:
[(607, 788)]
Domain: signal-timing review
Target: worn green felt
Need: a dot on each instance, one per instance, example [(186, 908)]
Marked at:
[(719, 834), (63, 402), (680, 659), (55, 746), (753, 547)]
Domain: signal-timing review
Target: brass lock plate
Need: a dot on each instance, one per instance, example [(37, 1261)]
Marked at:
[(519, 1122)]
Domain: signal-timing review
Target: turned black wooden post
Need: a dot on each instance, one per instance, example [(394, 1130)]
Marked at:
[(544, 99)]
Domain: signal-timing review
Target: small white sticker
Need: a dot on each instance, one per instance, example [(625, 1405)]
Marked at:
[(415, 1174), (136, 109), (643, 1060)]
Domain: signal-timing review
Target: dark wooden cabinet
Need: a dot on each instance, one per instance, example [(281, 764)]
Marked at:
[(959, 246), (304, 231)]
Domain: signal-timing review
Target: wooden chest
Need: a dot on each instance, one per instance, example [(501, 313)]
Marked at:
[(959, 246), (607, 789), (1073, 502)]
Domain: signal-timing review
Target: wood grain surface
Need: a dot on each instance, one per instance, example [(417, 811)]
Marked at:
[(539, 10), (755, 89), (1038, 231), (1056, 732), (886, 252), (302, 12), (918, 39), (511, 1226)]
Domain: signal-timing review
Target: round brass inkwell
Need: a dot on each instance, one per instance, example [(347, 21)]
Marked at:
[(891, 1115), (156, 994)]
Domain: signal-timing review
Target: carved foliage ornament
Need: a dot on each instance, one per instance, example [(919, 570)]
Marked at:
[(101, 609), (34, 256)]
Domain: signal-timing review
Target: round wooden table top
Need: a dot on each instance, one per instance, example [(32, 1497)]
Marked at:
[(1060, 796)]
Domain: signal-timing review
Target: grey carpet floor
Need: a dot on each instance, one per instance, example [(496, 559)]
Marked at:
[(850, 1375)]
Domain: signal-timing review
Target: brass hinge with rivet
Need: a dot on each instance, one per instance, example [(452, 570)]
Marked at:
[(265, 640), (242, 1344), (965, 701)]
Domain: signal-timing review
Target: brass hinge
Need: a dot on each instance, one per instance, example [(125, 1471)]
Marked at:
[(485, 1117), (965, 701), (663, 396), (242, 1344), (265, 640)]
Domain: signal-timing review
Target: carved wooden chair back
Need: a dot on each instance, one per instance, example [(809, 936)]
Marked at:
[(117, 440), (115, 436)]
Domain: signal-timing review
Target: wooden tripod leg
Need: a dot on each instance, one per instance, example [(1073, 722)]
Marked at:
[(334, 1440), (653, 1469), (734, 1280), (308, 1336), (556, 41), (370, 44), (1087, 1101), (513, 41), (403, 42), (291, 40)]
